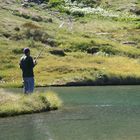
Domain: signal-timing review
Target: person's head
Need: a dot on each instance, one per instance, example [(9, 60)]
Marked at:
[(26, 51)]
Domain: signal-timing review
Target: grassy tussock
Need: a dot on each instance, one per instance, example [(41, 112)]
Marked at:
[(16, 104)]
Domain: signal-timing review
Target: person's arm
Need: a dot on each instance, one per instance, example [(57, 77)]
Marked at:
[(35, 62), (20, 64), (32, 62)]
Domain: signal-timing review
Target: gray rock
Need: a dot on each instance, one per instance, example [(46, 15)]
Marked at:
[(58, 52), (135, 10), (35, 1), (130, 42), (24, 5), (36, 18), (93, 50)]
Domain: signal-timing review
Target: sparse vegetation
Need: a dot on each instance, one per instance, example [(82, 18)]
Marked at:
[(99, 46)]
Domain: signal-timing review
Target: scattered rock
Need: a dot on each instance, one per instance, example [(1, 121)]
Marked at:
[(58, 52), (44, 6), (37, 18), (17, 29), (50, 41), (30, 25), (33, 16), (16, 37), (7, 35), (48, 20), (25, 5), (78, 13), (135, 10), (92, 50), (35, 1), (103, 33), (0, 77), (17, 51), (130, 42)]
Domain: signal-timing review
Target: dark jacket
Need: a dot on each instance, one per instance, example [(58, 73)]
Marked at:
[(27, 65)]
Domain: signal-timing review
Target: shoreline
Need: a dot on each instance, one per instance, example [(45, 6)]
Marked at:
[(76, 85), (104, 81), (20, 104)]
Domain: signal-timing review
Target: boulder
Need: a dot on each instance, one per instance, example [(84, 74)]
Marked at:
[(93, 50), (130, 42), (58, 52), (135, 10), (35, 1), (37, 18)]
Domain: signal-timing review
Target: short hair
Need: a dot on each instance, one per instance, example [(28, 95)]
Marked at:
[(26, 50)]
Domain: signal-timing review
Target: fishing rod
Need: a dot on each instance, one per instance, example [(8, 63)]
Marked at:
[(69, 22), (40, 53)]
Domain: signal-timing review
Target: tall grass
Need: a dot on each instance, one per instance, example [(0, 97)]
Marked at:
[(16, 104)]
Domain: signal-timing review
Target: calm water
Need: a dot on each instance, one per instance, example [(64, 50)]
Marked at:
[(88, 113)]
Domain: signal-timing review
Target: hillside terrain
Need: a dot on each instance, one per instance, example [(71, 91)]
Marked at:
[(84, 42)]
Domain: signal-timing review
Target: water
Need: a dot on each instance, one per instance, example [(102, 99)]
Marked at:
[(88, 113)]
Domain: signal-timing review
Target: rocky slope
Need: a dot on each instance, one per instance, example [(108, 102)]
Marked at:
[(88, 43)]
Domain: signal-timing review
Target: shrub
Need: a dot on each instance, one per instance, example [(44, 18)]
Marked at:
[(108, 49), (17, 51), (21, 14), (8, 66), (54, 3), (27, 15), (36, 35), (32, 43), (91, 3), (77, 13), (1, 77), (137, 26), (48, 20), (34, 32), (16, 37), (30, 25), (82, 46), (93, 50)]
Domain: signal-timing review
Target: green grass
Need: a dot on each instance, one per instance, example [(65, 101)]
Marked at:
[(114, 59), (17, 104)]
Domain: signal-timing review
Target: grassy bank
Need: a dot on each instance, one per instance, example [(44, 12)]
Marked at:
[(17, 104)]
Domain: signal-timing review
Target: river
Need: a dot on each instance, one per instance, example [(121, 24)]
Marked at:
[(88, 113)]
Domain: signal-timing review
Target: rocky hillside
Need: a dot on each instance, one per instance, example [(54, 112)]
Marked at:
[(84, 42)]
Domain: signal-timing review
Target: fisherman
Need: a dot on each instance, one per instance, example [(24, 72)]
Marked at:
[(27, 64)]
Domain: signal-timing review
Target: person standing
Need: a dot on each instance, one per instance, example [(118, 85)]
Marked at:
[(27, 65)]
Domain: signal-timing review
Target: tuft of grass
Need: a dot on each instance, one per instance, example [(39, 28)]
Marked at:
[(16, 104), (54, 100)]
